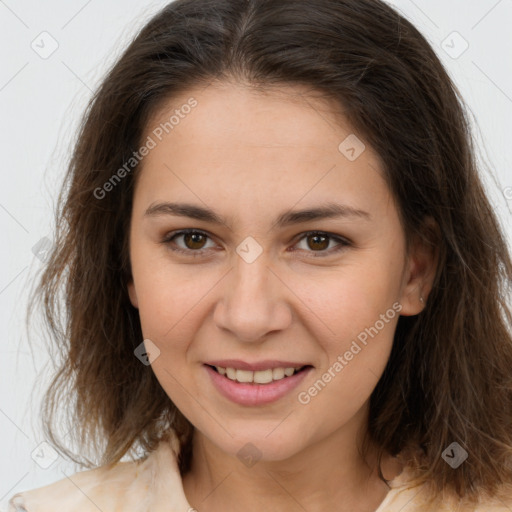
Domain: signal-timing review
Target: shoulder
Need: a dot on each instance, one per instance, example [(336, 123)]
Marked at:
[(404, 496), (151, 484)]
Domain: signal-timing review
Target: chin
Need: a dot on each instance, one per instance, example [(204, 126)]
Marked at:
[(253, 445)]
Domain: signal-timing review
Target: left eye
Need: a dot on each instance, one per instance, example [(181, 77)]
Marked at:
[(320, 241), (195, 242)]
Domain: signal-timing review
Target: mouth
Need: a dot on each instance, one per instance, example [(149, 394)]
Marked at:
[(266, 376), (261, 385)]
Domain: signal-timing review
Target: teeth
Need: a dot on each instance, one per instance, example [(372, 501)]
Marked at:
[(244, 376), (278, 373), (263, 376), (258, 377)]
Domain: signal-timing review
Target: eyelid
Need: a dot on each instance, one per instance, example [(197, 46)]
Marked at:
[(168, 239), (343, 242)]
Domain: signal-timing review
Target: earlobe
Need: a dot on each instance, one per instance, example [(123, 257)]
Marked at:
[(421, 270), (132, 294)]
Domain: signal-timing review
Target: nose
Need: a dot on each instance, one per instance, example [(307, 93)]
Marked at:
[(253, 302)]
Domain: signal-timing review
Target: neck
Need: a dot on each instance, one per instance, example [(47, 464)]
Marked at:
[(329, 474)]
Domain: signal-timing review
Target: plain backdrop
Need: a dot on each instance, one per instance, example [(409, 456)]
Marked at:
[(53, 55)]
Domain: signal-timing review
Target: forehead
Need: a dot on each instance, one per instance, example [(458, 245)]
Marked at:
[(286, 116), (237, 143)]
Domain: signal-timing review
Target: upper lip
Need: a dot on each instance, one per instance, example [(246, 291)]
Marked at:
[(238, 364)]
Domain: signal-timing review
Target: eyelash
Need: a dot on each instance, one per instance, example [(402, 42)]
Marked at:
[(168, 240)]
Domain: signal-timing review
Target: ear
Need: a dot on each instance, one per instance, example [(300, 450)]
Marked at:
[(420, 269), (132, 293)]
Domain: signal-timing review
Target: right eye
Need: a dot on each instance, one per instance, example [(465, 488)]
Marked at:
[(193, 242)]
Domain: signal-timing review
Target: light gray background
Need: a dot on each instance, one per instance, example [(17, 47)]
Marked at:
[(41, 100)]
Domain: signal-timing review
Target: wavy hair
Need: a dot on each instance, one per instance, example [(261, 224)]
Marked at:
[(448, 378)]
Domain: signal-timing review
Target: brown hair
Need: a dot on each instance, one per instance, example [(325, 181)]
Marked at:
[(449, 374)]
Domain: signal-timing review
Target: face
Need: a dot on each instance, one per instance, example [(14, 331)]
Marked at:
[(262, 245)]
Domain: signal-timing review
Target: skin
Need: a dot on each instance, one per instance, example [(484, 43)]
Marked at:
[(250, 156)]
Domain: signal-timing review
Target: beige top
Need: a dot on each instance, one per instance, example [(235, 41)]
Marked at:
[(154, 484)]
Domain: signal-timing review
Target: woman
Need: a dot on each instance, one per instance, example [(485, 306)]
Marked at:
[(283, 279)]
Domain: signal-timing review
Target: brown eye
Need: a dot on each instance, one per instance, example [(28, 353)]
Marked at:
[(189, 242), (194, 240), (318, 242)]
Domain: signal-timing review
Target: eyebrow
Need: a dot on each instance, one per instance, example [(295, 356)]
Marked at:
[(328, 211)]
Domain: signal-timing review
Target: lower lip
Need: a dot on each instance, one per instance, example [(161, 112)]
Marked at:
[(255, 394)]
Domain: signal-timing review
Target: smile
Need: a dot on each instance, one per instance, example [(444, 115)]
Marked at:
[(258, 377), (257, 386)]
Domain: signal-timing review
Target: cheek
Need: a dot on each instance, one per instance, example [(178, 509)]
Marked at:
[(358, 309), (167, 294), (359, 306), (356, 351), (344, 302), (168, 307)]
